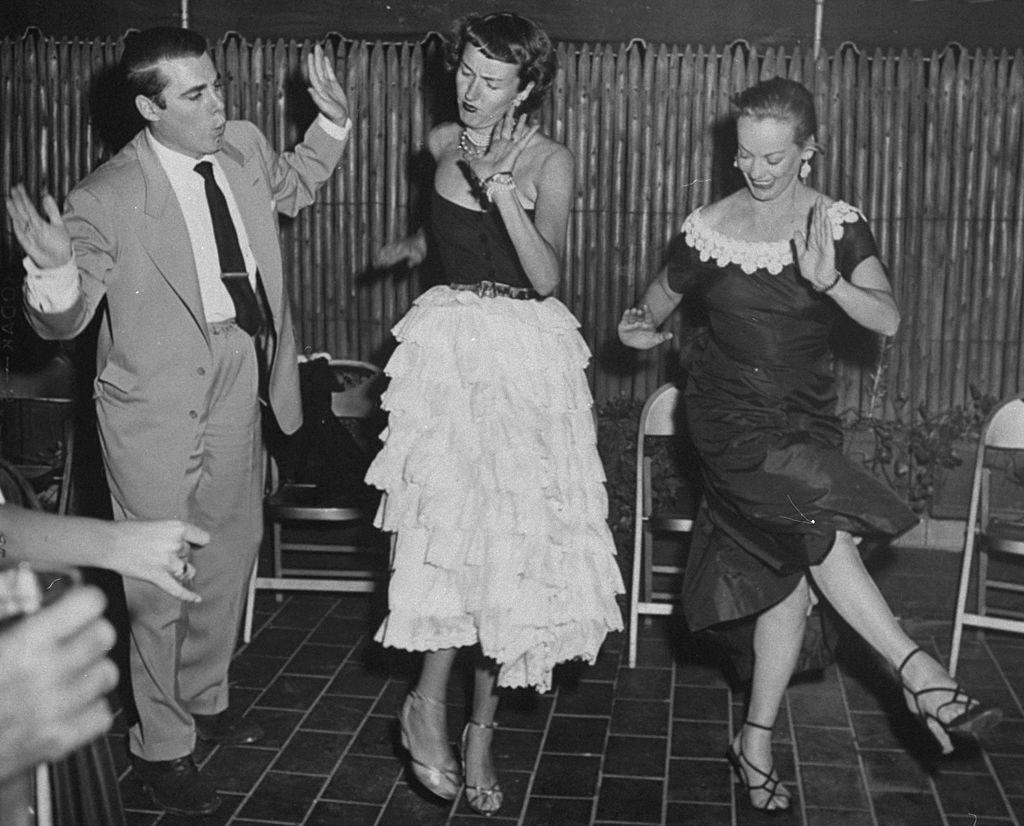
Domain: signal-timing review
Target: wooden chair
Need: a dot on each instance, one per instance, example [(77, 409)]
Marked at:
[(991, 531), (656, 419), (306, 514)]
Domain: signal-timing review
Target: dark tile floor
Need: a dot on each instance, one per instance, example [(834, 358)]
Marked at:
[(609, 745)]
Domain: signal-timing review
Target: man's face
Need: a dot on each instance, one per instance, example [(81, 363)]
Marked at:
[(191, 121)]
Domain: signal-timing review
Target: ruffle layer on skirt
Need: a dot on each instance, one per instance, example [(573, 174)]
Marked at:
[(494, 488)]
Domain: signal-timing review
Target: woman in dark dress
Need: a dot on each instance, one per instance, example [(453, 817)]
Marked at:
[(492, 483), (774, 265)]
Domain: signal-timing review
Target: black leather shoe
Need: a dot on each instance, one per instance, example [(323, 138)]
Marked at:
[(176, 786), (227, 729)]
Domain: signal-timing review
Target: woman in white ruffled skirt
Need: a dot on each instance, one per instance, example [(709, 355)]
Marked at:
[(493, 486)]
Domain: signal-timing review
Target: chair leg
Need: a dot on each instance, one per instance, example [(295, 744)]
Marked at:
[(982, 580), (634, 596), (961, 601), (276, 533), (250, 605)]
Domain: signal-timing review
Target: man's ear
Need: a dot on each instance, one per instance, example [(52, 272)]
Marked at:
[(147, 108)]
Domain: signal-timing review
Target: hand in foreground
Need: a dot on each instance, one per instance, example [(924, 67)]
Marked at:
[(157, 552), (45, 240), (411, 250), (324, 88), (54, 675), (816, 252), (638, 330), (508, 140)]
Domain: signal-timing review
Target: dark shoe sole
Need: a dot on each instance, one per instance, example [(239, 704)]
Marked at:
[(976, 722)]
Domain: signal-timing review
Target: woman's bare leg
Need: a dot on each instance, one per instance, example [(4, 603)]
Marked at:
[(778, 637), (478, 761), (426, 716), (845, 582)]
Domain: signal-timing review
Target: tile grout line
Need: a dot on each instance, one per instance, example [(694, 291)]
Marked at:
[(862, 767), (248, 796)]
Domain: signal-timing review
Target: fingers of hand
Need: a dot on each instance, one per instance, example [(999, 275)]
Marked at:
[(51, 209), (74, 612), (195, 536), (64, 733)]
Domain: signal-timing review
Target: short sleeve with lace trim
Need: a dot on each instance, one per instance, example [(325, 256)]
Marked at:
[(849, 228)]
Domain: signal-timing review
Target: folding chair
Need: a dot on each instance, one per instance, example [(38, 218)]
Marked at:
[(38, 439), (306, 514), (656, 419), (990, 530)]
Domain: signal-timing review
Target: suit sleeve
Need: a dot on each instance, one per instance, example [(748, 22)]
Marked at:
[(296, 176), (94, 247)]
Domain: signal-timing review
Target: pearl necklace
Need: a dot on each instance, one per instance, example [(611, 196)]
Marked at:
[(470, 147)]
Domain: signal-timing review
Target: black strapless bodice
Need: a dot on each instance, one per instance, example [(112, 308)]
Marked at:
[(474, 246)]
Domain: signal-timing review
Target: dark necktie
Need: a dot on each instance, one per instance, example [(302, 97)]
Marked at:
[(232, 264)]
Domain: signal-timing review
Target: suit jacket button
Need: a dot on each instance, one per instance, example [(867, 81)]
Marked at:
[(201, 371), (192, 414)]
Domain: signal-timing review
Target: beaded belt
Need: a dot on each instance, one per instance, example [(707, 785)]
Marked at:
[(493, 289)]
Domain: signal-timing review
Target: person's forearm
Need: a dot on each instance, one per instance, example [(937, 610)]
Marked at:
[(660, 298), (39, 537), (874, 309), (541, 263)]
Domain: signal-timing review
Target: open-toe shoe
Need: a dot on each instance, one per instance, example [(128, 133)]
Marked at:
[(443, 781), (485, 800), (769, 785), (976, 717)]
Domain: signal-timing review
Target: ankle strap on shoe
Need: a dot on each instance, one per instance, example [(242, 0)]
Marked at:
[(906, 659), (752, 724), (491, 725)]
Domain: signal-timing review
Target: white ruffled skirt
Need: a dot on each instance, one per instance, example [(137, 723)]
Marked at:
[(493, 487)]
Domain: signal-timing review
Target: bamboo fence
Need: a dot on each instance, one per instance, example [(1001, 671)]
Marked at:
[(930, 146)]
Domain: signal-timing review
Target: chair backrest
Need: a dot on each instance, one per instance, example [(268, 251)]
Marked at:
[(1004, 428), (658, 416), (356, 396), (15, 489)]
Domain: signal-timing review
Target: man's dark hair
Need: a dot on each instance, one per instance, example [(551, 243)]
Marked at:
[(143, 52)]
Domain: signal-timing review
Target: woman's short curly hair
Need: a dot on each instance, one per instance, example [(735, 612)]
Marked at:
[(780, 98), (510, 38)]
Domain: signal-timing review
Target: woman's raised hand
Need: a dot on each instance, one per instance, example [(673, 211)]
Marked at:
[(508, 140), (815, 251), (638, 330), (45, 240)]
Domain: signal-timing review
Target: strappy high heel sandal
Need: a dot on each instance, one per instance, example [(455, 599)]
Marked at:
[(443, 782), (485, 800), (770, 785), (976, 718)]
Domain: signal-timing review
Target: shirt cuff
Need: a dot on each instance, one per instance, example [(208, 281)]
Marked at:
[(339, 133), (52, 290)]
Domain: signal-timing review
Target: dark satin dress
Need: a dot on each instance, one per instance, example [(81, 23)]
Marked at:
[(761, 408)]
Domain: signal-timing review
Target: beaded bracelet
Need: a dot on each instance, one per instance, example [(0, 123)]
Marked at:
[(498, 182), (830, 286)]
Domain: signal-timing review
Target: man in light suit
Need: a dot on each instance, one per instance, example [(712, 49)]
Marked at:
[(178, 372)]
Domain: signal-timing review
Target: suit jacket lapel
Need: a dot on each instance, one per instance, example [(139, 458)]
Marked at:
[(165, 235)]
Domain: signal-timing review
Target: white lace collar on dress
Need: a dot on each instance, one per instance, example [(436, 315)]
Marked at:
[(751, 256)]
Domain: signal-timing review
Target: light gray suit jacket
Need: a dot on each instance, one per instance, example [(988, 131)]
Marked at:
[(154, 363)]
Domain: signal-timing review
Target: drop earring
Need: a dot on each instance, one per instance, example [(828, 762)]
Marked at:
[(805, 169)]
